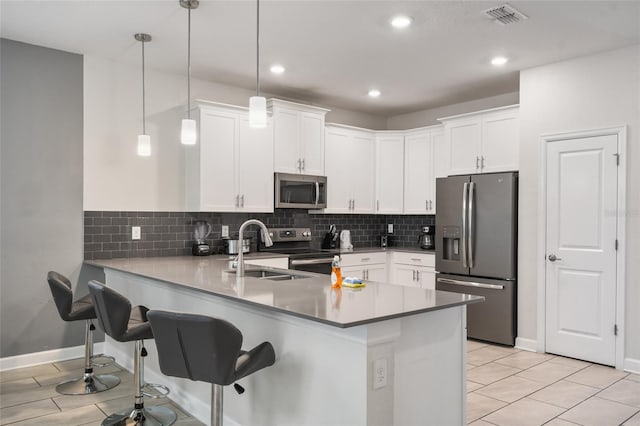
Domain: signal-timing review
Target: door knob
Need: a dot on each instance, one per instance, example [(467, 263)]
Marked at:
[(553, 258)]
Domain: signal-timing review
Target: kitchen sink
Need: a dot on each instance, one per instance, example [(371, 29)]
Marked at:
[(266, 274)]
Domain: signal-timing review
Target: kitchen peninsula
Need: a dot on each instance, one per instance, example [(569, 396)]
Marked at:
[(378, 355)]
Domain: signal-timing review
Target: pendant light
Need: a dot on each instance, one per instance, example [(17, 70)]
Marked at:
[(257, 104), (188, 134), (144, 140)]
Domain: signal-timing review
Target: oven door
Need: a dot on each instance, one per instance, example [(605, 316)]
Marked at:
[(300, 191), (318, 265)]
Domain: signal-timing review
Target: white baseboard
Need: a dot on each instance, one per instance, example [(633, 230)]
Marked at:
[(45, 357), (526, 344), (632, 365)]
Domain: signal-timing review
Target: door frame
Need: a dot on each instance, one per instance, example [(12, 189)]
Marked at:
[(621, 283)]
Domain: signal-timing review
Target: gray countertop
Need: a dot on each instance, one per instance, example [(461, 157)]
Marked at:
[(387, 249), (310, 297)]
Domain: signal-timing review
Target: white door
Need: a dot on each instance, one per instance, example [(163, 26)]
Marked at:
[(580, 249), (255, 168), (426, 278), (286, 141), (405, 275), (389, 174), (312, 140), (377, 273), (417, 172)]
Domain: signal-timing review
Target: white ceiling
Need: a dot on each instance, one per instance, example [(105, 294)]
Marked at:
[(335, 51)]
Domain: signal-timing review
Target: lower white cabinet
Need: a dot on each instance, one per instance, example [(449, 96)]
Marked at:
[(272, 262), (413, 269), (367, 266)]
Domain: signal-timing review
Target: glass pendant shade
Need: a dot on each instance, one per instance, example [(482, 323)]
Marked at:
[(144, 145), (258, 112), (188, 133)]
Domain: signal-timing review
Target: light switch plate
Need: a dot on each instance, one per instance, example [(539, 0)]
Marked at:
[(390, 228), (225, 231), (380, 373), (135, 232)]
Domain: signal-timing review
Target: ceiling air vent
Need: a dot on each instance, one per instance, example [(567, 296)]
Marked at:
[(505, 14)]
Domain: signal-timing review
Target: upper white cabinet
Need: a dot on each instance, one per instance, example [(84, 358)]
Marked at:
[(425, 159), (389, 172), (483, 142), (298, 132), (349, 153), (231, 167)]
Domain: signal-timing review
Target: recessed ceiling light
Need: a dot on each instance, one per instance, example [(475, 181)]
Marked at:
[(400, 21), (374, 93), (499, 61), (277, 69)]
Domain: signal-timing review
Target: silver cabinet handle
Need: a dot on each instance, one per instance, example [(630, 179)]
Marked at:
[(430, 205), (553, 258), (482, 163), (472, 192), (377, 205), (366, 274), (237, 200), (242, 200), (417, 275), (477, 162), (415, 259), (470, 284), (413, 276), (426, 205), (465, 190), (299, 164), (303, 165), (310, 261), (317, 192), (365, 259)]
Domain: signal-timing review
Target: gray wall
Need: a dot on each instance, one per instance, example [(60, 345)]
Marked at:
[(41, 194)]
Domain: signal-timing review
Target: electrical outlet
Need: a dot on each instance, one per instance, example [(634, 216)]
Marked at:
[(225, 231), (135, 232), (380, 373), (390, 228)]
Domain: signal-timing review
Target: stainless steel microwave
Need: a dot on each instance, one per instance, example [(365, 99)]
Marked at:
[(294, 191)]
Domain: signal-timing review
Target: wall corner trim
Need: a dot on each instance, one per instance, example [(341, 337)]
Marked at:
[(530, 345), (45, 357)]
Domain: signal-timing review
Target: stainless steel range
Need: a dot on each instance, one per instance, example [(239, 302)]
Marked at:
[(296, 243)]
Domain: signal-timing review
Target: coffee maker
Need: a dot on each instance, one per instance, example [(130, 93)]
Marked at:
[(427, 239), (201, 230)]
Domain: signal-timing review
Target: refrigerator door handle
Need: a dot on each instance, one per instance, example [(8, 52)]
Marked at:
[(471, 284), (470, 237), (465, 191)]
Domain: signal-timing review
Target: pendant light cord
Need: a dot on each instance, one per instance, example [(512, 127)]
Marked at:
[(258, 47), (189, 64), (144, 130)]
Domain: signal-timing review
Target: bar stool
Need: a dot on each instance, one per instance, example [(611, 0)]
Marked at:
[(81, 309), (206, 349), (125, 324)]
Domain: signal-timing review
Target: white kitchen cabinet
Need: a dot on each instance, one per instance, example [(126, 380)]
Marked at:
[(231, 167), (413, 269), (425, 159), (484, 141), (367, 266), (389, 175), (349, 169), (272, 262), (299, 137)]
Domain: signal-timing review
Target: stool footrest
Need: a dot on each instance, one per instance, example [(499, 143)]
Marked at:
[(109, 360), (156, 388)]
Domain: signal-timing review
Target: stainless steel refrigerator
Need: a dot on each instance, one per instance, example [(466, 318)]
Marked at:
[(476, 249)]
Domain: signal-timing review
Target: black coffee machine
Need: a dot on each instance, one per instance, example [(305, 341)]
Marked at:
[(427, 238)]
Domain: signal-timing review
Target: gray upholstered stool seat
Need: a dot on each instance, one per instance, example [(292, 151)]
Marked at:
[(79, 310), (126, 324), (206, 349)]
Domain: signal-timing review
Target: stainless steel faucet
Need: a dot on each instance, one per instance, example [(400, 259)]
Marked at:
[(265, 236)]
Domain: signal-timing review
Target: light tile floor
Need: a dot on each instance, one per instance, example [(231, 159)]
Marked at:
[(505, 386)]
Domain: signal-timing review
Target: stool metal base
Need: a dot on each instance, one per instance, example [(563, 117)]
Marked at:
[(147, 416), (88, 384)]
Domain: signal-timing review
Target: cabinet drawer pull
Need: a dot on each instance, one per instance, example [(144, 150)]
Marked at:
[(477, 162), (365, 259), (482, 163), (415, 259), (417, 275), (303, 165)]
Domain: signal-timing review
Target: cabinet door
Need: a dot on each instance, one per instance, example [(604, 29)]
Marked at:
[(500, 142), (405, 275), (463, 137), (255, 168), (337, 171), (312, 140), (377, 273), (286, 131), (360, 164), (389, 174), (426, 278), (353, 271), (440, 162), (417, 172), (218, 160)]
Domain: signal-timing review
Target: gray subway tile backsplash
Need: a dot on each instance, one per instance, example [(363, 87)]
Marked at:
[(107, 234)]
